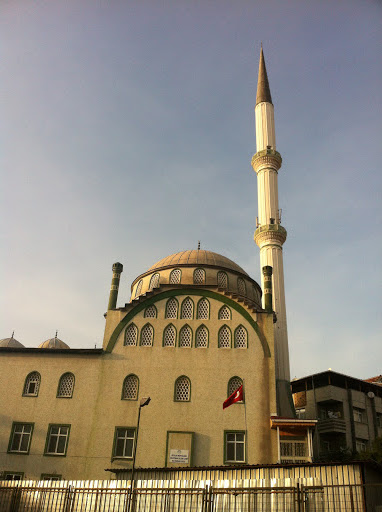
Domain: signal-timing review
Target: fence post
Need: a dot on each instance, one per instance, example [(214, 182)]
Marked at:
[(299, 509), (351, 498), (67, 504)]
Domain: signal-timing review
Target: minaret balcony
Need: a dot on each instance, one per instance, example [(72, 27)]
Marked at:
[(266, 158), (270, 233)]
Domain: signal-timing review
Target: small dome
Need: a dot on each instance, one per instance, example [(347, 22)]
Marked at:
[(197, 257), (53, 343), (11, 343)]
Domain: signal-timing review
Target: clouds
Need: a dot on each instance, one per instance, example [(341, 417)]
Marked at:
[(128, 131)]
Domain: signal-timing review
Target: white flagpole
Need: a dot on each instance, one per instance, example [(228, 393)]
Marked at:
[(245, 417)]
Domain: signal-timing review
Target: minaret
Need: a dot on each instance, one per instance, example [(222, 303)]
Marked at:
[(270, 235), (117, 270)]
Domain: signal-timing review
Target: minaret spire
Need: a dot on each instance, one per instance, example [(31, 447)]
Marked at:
[(263, 90), (270, 235)]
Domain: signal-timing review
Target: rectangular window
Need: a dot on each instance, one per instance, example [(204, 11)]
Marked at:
[(360, 445), (57, 440), (12, 475), (20, 439), (234, 446), (50, 478), (300, 413), (124, 440), (358, 414)]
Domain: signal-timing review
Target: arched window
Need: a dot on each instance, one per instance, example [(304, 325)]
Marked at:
[(241, 288), (187, 310), (241, 337), (182, 389), (66, 386), (138, 289), (201, 337), (147, 334), (224, 313), (130, 388), (233, 384), (203, 309), (222, 280), (172, 308), (154, 281), (169, 336), (131, 335), (175, 276), (185, 336), (32, 384), (199, 276), (225, 337), (150, 312)]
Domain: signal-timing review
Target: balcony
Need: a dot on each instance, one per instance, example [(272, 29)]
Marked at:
[(331, 425)]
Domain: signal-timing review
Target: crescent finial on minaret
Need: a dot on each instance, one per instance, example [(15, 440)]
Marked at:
[(263, 90)]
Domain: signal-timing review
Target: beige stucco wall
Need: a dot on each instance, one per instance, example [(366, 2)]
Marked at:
[(96, 407)]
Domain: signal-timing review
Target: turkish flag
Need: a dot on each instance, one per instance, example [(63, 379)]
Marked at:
[(237, 396)]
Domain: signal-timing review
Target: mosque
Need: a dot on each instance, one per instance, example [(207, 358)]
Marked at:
[(197, 330)]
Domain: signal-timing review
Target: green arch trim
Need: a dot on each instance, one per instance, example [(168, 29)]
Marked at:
[(173, 293)]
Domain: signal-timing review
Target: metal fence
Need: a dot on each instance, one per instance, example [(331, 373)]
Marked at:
[(177, 496)]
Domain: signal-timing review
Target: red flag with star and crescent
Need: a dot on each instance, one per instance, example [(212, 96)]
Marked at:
[(237, 396)]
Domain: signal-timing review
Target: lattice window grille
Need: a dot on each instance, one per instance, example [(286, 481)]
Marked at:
[(169, 336), (182, 390), (234, 384), (241, 286), (172, 308), (224, 337), (201, 337), (222, 280), (199, 276), (147, 335), (151, 312), (131, 335), (225, 313), (138, 289), (66, 386), (175, 276), (241, 337), (130, 388), (154, 281), (32, 384), (187, 308), (185, 336), (203, 309)]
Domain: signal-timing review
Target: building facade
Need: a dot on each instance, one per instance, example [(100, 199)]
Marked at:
[(348, 410), (196, 329)]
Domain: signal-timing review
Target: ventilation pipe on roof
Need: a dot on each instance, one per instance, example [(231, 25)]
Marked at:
[(117, 270)]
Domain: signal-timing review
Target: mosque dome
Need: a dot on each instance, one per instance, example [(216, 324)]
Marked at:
[(197, 257), (198, 267), (53, 343), (11, 343)]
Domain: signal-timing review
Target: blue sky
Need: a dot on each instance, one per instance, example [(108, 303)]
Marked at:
[(127, 134)]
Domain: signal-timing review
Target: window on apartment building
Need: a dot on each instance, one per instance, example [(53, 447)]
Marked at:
[(358, 415), (330, 411), (13, 475), (234, 446), (57, 440), (50, 478), (124, 439), (21, 436), (360, 445)]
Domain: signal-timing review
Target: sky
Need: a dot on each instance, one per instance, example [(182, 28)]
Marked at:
[(127, 131)]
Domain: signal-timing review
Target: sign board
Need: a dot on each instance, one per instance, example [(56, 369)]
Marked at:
[(179, 456)]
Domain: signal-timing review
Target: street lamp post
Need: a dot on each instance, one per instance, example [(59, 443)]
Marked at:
[(143, 403)]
